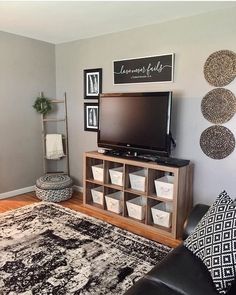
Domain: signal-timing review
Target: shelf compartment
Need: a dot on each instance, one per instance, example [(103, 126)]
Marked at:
[(136, 178), (159, 214), (152, 175), (135, 207), (90, 163), (114, 173), (165, 187), (98, 195), (89, 195), (98, 172), (114, 201)]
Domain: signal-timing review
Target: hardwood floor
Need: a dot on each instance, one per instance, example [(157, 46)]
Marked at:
[(76, 203), (17, 202)]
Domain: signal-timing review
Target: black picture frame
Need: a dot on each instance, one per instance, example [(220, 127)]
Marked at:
[(91, 113), (92, 83)]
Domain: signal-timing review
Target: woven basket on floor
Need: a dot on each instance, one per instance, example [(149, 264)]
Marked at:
[(54, 188)]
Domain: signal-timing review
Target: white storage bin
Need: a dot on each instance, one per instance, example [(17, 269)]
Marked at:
[(98, 172), (138, 180), (161, 214), (136, 207), (97, 195), (113, 202), (164, 186), (116, 175)]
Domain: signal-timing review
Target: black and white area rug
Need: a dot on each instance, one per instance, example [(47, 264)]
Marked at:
[(47, 249)]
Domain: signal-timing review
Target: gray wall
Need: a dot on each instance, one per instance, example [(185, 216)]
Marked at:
[(192, 40), (27, 67)]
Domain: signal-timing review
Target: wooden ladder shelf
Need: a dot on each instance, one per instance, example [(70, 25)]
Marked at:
[(45, 120)]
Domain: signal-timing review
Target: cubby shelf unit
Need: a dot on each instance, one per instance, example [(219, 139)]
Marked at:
[(181, 202)]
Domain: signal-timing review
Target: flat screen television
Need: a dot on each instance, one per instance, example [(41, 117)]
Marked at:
[(136, 122)]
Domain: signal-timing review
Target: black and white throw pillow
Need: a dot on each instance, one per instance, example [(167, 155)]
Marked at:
[(214, 242)]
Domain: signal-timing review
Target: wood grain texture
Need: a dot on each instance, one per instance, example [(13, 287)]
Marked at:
[(30, 198)]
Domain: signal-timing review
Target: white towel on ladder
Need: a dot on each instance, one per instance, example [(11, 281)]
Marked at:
[(54, 147)]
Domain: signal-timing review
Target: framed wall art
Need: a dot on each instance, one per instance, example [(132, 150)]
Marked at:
[(155, 69), (92, 83), (91, 116)]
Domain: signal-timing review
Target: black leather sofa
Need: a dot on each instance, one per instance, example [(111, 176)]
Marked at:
[(180, 273)]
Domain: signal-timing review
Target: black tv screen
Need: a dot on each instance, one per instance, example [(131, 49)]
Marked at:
[(135, 121)]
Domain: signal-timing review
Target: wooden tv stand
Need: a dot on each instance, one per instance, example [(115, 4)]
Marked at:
[(181, 202)]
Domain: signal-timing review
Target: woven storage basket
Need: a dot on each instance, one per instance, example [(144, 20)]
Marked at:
[(54, 187), (54, 181), (54, 195)]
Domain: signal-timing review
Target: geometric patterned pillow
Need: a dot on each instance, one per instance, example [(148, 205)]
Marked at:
[(214, 242)]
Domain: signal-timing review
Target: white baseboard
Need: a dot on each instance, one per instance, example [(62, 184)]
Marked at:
[(16, 192), (30, 189), (78, 188)]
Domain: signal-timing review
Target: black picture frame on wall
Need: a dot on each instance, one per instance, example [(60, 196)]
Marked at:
[(92, 83), (91, 117)]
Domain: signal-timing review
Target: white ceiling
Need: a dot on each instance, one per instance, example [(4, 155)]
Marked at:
[(64, 21)]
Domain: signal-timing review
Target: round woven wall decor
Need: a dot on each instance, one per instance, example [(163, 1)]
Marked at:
[(220, 68), (218, 106), (217, 142)]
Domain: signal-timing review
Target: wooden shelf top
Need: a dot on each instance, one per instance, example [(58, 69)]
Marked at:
[(135, 192), (91, 180), (155, 197), (110, 185), (148, 165)]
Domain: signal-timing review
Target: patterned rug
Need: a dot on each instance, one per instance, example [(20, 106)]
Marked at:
[(47, 249)]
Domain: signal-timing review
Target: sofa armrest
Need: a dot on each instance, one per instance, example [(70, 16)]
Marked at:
[(195, 216)]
